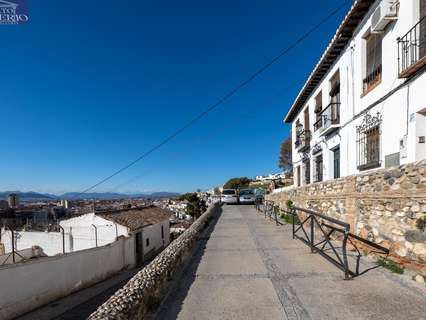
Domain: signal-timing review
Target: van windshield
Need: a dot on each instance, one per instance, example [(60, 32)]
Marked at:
[(228, 192), (246, 192)]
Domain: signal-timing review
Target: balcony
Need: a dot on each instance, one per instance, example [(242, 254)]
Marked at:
[(412, 50), (303, 140), (329, 119)]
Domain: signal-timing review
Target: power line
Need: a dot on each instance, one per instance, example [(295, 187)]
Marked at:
[(224, 98)]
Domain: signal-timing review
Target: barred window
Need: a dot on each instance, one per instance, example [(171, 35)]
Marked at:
[(368, 142)]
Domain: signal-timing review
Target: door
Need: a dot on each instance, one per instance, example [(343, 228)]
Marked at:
[(422, 44), (336, 163), (139, 248)]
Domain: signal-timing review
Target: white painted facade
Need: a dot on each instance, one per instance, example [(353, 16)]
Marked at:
[(400, 103)]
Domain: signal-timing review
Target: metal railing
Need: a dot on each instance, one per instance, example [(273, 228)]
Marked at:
[(268, 209), (412, 46), (303, 139), (318, 124), (316, 230), (329, 116), (340, 260)]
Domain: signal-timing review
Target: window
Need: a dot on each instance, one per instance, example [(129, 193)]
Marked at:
[(368, 142), (307, 167), (373, 61), (318, 109), (336, 163), (335, 88), (331, 114), (147, 242), (162, 232), (318, 164)]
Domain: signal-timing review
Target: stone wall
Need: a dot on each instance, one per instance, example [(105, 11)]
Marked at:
[(146, 289), (382, 206)]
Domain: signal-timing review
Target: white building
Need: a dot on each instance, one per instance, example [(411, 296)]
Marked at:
[(364, 105), (148, 227)]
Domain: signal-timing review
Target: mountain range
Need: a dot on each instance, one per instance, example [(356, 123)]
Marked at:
[(32, 196)]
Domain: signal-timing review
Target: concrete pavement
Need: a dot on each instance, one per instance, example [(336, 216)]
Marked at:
[(248, 268)]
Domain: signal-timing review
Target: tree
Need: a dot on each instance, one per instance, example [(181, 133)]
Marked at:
[(217, 191), (196, 206), (286, 161), (237, 183)]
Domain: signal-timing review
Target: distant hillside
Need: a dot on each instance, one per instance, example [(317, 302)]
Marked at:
[(112, 195), (34, 196), (30, 195), (163, 195)]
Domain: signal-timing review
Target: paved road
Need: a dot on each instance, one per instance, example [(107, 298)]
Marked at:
[(248, 268)]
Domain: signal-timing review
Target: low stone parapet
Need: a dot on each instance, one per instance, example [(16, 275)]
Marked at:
[(146, 289)]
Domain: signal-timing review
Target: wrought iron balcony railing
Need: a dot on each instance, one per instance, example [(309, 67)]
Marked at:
[(328, 117), (412, 50), (303, 140)]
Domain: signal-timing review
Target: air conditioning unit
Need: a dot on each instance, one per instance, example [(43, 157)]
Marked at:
[(383, 15)]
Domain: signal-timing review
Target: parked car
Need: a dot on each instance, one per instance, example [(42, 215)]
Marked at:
[(247, 196), (229, 196)]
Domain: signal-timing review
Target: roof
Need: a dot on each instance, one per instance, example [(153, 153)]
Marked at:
[(342, 37), (137, 218)]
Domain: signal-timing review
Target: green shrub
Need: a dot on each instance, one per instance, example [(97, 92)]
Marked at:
[(390, 265), (289, 204), (287, 218)]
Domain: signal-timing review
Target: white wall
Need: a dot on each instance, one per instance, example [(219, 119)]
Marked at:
[(399, 111), (153, 233), (82, 233), (49, 242), (40, 281)]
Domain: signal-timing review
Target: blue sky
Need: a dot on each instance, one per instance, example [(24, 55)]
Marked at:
[(88, 87)]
